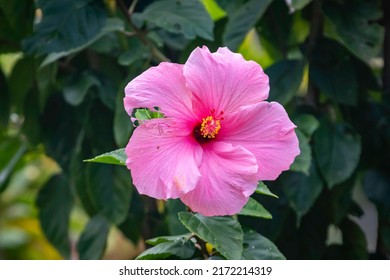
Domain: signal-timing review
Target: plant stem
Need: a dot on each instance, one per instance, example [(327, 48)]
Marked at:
[(159, 56)]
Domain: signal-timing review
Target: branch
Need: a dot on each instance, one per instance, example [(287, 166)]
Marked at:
[(386, 48), (139, 33), (315, 33)]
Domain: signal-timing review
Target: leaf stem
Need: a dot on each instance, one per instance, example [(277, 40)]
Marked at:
[(202, 246)]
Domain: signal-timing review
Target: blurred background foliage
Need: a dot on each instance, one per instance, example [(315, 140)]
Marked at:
[(63, 67)]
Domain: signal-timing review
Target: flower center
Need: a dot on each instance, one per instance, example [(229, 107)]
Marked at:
[(209, 127)]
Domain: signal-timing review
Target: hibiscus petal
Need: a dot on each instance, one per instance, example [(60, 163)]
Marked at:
[(223, 81), (161, 86), (266, 131), (229, 177), (163, 163)]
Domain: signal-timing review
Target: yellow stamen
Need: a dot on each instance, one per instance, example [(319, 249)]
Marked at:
[(210, 127)]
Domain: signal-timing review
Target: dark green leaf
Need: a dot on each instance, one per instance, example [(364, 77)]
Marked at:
[(302, 190), (4, 101), (189, 18), (356, 25), (384, 232), (337, 148), (110, 188), (306, 123), (258, 247), (107, 91), (181, 248), (115, 157), (111, 25), (331, 69), (376, 185), (173, 207), (12, 28), (78, 175), (55, 202), (303, 160), (255, 209), (131, 227), (138, 52), (123, 126), (77, 87), (285, 78), (66, 25), (340, 203), (242, 20), (224, 233), (263, 189), (46, 78), (354, 241), (92, 242), (21, 81)]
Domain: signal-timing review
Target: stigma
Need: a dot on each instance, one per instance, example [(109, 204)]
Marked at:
[(211, 125)]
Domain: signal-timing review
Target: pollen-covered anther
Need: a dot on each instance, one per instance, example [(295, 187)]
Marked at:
[(210, 126)]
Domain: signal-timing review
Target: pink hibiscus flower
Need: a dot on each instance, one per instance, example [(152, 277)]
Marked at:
[(218, 137)]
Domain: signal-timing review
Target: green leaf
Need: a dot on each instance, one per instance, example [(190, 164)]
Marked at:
[(337, 148), (188, 18), (306, 123), (331, 69), (77, 87), (242, 20), (111, 25), (4, 101), (115, 157), (178, 246), (303, 160), (258, 247), (162, 239), (110, 188), (146, 114), (357, 27), (65, 25), (285, 78), (302, 190), (92, 242), (297, 4), (255, 209), (263, 189), (54, 203), (224, 233)]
